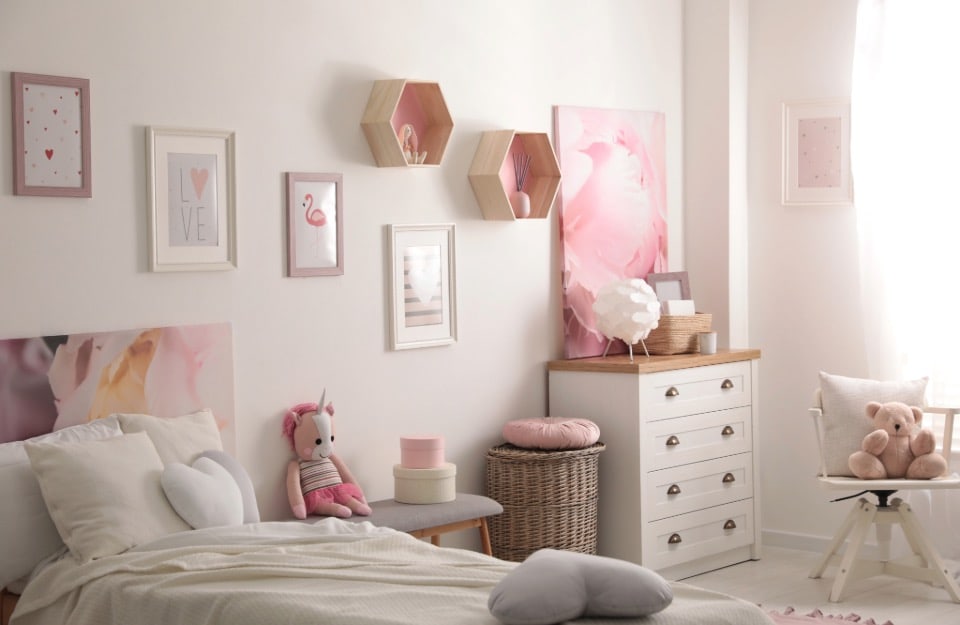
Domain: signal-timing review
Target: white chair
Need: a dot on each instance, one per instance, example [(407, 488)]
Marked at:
[(925, 564)]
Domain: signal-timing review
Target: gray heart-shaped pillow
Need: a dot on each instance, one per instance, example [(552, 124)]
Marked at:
[(204, 494), (553, 586)]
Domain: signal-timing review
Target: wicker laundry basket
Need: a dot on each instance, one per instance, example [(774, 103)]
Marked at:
[(549, 499)]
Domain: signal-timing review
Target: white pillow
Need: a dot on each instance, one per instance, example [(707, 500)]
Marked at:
[(553, 586), (204, 494), (27, 534), (251, 513), (845, 422), (177, 439), (104, 496)]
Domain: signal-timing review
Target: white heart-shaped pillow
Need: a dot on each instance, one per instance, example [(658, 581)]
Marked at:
[(204, 495)]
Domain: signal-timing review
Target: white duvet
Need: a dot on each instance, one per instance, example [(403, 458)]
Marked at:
[(328, 573)]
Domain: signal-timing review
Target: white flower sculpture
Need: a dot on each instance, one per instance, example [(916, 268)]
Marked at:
[(627, 310)]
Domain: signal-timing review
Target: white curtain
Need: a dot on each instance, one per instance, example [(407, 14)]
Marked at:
[(905, 155)]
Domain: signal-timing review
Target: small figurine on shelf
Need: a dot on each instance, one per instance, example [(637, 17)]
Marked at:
[(409, 143), (519, 200), (318, 482)]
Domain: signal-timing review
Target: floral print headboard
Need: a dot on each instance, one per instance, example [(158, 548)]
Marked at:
[(51, 382)]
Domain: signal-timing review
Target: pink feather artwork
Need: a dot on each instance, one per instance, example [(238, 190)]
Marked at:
[(613, 210)]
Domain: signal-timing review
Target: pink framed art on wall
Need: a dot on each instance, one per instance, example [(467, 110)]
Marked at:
[(816, 153), (613, 210), (314, 224), (51, 135)]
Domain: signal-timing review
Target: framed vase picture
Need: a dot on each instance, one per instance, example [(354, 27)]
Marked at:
[(51, 135), (191, 199), (816, 153), (314, 224), (422, 285)]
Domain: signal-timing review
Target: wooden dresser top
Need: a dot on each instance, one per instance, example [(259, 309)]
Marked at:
[(620, 363)]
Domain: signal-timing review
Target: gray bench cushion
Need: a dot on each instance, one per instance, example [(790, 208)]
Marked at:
[(407, 517)]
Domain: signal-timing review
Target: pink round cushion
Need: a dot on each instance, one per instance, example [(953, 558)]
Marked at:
[(551, 433)]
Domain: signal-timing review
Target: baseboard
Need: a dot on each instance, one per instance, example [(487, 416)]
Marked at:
[(808, 542)]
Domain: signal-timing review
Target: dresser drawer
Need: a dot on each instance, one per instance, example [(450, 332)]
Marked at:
[(678, 490), (670, 394), (683, 440), (700, 534)]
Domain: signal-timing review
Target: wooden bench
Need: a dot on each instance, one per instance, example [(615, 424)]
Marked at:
[(433, 519)]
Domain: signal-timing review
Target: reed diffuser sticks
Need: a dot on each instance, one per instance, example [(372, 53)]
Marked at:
[(521, 166)]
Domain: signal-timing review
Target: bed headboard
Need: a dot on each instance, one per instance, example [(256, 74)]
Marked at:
[(54, 381)]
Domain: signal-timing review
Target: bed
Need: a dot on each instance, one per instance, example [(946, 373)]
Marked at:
[(330, 572), (97, 534)]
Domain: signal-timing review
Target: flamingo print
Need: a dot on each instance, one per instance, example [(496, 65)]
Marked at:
[(315, 217)]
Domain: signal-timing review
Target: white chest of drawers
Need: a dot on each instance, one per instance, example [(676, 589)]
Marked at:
[(677, 479)]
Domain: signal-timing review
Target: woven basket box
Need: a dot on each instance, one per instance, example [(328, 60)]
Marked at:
[(676, 334)]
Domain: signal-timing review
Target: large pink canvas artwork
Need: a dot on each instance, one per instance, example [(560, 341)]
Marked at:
[(613, 210), (52, 382)]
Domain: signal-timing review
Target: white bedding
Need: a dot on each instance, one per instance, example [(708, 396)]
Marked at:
[(327, 573)]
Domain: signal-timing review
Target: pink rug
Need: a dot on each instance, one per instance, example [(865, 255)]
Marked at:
[(791, 617)]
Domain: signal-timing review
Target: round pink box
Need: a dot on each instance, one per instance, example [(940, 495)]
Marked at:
[(421, 452)]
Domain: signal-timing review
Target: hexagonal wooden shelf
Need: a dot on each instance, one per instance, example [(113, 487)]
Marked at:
[(396, 103), (492, 174)]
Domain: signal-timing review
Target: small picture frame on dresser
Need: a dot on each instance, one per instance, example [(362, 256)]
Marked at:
[(670, 286)]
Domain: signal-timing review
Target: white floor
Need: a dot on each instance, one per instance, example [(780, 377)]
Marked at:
[(779, 580)]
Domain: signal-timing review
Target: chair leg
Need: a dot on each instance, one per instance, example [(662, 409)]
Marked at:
[(838, 540), (865, 514), (919, 540)]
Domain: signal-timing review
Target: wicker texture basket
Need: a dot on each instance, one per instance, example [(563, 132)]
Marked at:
[(549, 500), (676, 334)]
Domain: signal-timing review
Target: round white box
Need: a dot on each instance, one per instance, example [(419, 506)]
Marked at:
[(437, 485)]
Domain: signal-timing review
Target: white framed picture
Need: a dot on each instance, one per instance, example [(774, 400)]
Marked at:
[(816, 152), (422, 285), (191, 198)]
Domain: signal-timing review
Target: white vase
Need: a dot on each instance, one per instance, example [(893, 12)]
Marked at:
[(520, 202)]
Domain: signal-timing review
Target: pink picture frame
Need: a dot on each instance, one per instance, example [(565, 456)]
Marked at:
[(314, 224), (51, 135)]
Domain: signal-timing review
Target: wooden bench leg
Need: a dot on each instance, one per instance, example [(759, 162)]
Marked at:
[(485, 537)]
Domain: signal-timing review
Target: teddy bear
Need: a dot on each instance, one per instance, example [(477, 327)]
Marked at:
[(318, 482), (899, 447)]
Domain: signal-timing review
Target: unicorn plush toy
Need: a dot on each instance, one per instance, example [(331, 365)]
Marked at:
[(318, 482)]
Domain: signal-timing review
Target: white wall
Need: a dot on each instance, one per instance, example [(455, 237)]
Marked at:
[(292, 79), (804, 284)]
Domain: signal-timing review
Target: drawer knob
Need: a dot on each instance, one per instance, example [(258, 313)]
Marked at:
[(726, 431), (673, 490), (674, 539), (729, 479), (729, 525), (726, 384), (672, 392), (673, 441)]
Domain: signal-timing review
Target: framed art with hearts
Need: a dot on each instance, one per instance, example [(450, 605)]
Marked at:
[(314, 224), (51, 135), (191, 196), (422, 285)]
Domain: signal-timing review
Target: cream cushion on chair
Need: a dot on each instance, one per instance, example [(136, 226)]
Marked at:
[(845, 420)]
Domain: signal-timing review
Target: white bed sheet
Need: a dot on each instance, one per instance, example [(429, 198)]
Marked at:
[(330, 572)]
